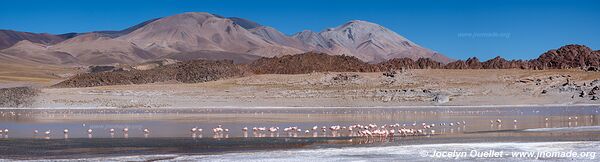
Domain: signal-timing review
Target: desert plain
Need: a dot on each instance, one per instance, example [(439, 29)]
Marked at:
[(414, 87)]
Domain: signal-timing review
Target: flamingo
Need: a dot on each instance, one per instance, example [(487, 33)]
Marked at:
[(273, 129), (217, 130)]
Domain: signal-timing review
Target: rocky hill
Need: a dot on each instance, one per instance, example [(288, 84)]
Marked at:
[(569, 56), (309, 62), (194, 31), (184, 72)]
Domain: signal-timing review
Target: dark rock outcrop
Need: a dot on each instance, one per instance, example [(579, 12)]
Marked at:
[(471, 63), (103, 68), (309, 62), (184, 72), (569, 56), (397, 63), (501, 63), (427, 63), (566, 57)]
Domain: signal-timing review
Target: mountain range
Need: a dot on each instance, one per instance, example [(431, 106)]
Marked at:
[(196, 35)]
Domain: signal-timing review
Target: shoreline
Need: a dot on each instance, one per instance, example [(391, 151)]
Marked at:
[(313, 107)]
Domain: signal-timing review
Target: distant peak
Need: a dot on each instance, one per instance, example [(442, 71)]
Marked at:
[(357, 24), (305, 33), (191, 16), (199, 13), (360, 22), (265, 28), (88, 37), (247, 24)]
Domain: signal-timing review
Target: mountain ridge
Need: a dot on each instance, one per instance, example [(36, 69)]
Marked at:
[(200, 31)]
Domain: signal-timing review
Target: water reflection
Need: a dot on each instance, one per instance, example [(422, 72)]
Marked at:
[(307, 122)]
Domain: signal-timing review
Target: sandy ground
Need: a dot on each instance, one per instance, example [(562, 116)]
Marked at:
[(13, 75), (410, 88)]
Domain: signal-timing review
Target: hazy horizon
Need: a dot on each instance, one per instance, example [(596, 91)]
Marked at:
[(458, 29)]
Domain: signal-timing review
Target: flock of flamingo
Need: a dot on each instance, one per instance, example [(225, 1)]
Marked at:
[(356, 130)]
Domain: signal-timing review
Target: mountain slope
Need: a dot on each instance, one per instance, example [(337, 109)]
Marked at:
[(38, 53), (9, 38), (110, 33), (245, 23), (205, 35), (195, 31), (271, 35), (369, 42), (95, 48)]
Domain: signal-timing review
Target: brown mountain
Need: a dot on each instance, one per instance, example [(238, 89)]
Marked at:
[(26, 51), (95, 48), (9, 38), (205, 35), (367, 41), (194, 31)]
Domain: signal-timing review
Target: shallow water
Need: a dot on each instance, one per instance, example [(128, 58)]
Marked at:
[(170, 137)]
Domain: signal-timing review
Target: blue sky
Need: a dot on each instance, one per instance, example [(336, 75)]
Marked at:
[(514, 29)]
